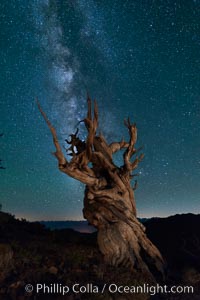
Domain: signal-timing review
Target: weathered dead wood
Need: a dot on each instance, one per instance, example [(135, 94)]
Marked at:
[(109, 202)]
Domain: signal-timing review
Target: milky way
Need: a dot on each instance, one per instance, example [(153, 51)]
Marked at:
[(138, 59)]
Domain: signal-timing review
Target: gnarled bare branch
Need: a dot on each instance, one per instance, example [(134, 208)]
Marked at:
[(59, 154), (131, 150)]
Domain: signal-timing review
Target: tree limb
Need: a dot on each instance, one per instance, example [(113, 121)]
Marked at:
[(130, 151), (59, 155)]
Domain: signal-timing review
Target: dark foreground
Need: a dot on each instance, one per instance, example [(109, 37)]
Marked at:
[(51, 260)]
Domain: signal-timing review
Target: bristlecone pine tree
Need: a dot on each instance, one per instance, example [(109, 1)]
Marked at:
[(109, 202)]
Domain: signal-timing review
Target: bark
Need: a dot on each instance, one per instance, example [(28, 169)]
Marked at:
[(109, 202)]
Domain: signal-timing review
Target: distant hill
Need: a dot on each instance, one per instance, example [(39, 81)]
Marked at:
[(177, 237), (81, 226)]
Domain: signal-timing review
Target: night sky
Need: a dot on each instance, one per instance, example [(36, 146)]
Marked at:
[(137, 58)]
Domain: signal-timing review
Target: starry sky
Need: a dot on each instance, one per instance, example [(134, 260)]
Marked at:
[(137, 58)]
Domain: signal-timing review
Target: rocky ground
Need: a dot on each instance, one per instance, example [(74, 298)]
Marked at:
[(32, 254)]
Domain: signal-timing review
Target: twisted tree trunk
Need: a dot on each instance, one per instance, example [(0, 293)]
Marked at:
[(109, 202)]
